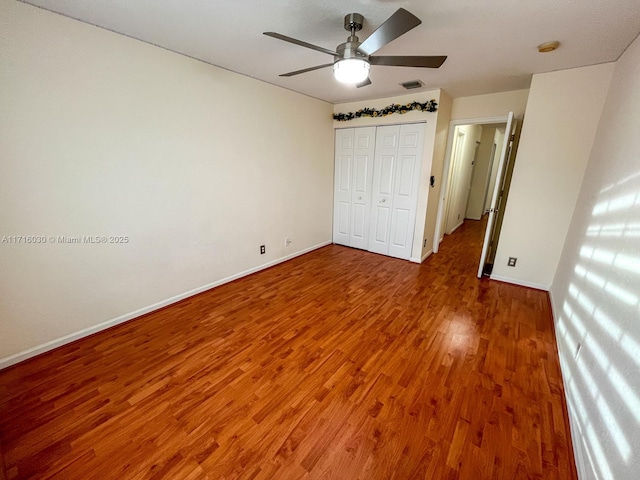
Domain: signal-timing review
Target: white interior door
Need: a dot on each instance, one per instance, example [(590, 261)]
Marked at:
[(386, 152), (343, 186), (405, 190), (496, 192), (362, 174)]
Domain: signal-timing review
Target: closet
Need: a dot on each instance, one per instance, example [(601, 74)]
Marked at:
[(377, 176)]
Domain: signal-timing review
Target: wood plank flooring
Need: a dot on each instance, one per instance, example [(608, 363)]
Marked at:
[(339, 364)]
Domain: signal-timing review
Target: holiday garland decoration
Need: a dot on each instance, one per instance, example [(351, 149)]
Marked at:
[(430, 106)]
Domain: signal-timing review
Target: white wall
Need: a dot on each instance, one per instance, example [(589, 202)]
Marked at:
[(490, 105), (557, 134), (596, 290), (431, 119), (437, 170), (105, 135)]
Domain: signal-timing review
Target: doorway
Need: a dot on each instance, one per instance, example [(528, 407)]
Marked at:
[(478, 166)]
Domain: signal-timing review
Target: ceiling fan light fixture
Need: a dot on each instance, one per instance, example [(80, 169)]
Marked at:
[(548, 47), (351, 70)]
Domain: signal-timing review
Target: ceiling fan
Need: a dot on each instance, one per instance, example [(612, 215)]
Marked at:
[(352, 60)]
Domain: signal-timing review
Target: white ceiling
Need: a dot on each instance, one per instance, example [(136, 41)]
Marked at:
[(491, 44)]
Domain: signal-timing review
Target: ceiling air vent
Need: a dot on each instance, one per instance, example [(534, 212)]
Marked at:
[(412, 84)]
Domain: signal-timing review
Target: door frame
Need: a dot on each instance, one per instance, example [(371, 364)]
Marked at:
[(505, 155), (447, 164)]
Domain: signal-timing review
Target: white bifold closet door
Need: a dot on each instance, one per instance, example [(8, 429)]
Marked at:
[(353, 180), (396, 180), (376, 190)]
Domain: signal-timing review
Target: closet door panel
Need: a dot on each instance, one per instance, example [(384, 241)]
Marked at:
[(381, 235), (341, 227), (400, 220), (343, 186), (364, 147), (406, 167), (384, 167), (405, 190), (359, 224)]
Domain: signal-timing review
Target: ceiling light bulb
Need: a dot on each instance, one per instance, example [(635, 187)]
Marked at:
[(351, 70)]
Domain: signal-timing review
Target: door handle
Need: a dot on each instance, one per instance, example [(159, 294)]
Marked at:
[(359, 198), (383, 200)]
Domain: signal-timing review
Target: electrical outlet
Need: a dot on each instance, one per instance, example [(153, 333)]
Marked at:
[(424, 244), (512, 262), (287, 242), (263, 249)]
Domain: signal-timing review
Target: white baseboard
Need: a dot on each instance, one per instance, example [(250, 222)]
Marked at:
[(420, 260), (85, 332), (553, 307), (583, 465), (522, 283), (456, 227)]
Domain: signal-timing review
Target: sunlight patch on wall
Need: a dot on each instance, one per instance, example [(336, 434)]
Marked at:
[(606, 257), (613, 205), (627, 262), (612, 374), (600, 353), (586, 429), (588, 380), (603, 256), (611, 328), (622, 230)]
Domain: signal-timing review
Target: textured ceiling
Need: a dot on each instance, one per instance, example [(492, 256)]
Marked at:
[(491, 44)]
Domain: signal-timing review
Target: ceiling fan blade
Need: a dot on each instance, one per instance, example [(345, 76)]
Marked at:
[(410, 61), (305, 70), (301, 43), (364, 83), (397, 24)]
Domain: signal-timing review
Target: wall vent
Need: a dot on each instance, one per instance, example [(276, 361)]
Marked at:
[(412, 84)]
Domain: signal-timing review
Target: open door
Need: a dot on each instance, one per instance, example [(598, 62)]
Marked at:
[(497, 192)]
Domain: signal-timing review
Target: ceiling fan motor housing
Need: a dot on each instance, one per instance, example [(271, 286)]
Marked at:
[(349, 49), (353, 21)]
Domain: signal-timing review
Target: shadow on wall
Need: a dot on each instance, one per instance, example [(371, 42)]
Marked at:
[(598, 331)]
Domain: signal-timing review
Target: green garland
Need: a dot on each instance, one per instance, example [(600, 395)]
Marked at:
[(430, 106)]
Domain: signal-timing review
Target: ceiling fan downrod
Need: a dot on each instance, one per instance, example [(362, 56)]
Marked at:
[(352, 23)]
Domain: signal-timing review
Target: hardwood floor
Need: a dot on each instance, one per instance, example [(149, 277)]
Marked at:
[(339, 364)]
